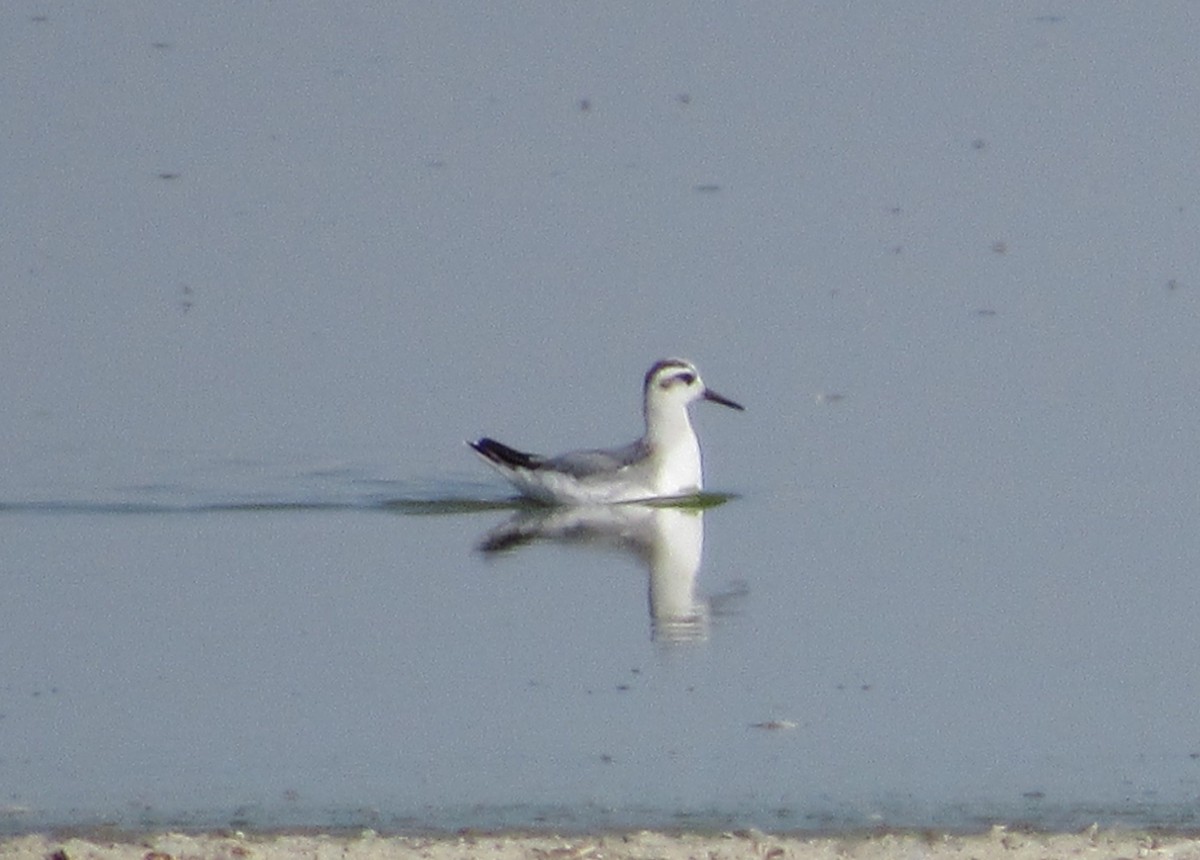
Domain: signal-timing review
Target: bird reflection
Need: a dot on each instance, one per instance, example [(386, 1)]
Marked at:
[(669, 541)]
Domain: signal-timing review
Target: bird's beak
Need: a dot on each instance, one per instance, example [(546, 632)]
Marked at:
[(709, 394)]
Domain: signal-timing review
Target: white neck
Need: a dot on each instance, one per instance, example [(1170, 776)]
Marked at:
[(667, 424), (673, 448)]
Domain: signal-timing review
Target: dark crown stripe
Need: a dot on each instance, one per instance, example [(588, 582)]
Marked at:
[(660, 366)]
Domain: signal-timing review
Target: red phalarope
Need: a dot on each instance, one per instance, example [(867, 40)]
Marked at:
[(664, 463)]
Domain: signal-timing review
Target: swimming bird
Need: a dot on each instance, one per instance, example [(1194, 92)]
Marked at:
[(664, 463)]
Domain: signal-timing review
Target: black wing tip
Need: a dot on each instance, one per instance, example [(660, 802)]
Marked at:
[(500, 453)]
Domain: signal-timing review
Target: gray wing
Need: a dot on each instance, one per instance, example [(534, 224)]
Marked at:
[(585, 464)]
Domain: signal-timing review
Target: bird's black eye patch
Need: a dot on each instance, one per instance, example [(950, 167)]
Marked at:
[(685, 378)]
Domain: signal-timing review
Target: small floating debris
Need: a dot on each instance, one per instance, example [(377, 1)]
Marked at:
[(830, 397), (774, 725), (708, 188), (169, 176), (1000, 247)]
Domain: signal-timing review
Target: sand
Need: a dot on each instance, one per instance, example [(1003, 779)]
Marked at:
[(999, 843)]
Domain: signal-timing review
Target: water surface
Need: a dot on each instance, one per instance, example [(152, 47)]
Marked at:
[(265, 267)]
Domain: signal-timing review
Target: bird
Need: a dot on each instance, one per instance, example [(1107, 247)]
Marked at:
[(664, 463)]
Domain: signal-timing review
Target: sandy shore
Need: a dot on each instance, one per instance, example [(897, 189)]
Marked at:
[(999, 843)]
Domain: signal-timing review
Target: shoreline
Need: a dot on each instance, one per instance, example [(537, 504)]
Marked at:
[(999, 842)]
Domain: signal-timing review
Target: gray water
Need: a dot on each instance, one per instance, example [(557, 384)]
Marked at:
[(265, 268)]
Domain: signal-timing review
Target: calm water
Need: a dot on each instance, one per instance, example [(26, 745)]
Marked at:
[(266, 268), (371, 653)]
